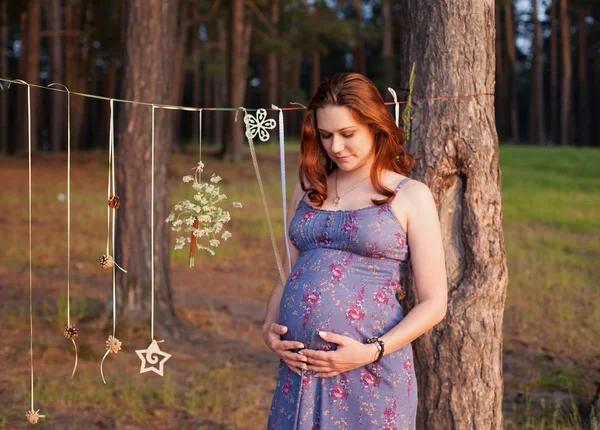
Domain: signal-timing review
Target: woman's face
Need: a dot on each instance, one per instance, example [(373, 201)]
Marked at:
[(347, 142)]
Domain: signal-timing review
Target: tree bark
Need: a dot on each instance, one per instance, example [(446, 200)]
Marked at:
[(315, 75), (388, 49), (459, 361), (148, 76), (233, 144), (360, 62), (554, 71), (537, 112), (501, 101), (512, 61), (57, 123), (272, 57), (567, 76), (4, 146), (584, 129), (32, 74), (76, 56)]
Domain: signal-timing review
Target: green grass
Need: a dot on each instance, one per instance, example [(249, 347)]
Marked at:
[(553, 186), (551, 206)]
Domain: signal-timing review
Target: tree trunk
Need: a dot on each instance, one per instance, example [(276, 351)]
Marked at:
[(32, 74), (233, 144), (148, 76), (360, 63), (459, 361), (315, 75), (584, 129), (4, 146), (554, 71), (272, 63), (76, 57), (501, 85), (512, 61), (565, 41), (58, 112), (388, 49), (537, 112), (220, 88)]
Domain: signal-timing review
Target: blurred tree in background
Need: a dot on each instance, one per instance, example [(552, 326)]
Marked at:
[(258, 52)]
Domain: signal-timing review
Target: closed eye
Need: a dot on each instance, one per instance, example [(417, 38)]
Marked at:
[(324, 136)]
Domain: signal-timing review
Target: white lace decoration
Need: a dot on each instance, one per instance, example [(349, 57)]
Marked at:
[(258, 125)]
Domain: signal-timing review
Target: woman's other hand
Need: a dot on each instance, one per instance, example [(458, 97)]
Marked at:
[(349, 355), (272, 336)]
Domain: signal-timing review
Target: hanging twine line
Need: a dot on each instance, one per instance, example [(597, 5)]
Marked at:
[(196, 109)]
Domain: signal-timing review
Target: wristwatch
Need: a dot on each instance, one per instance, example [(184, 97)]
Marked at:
[(380, 346)]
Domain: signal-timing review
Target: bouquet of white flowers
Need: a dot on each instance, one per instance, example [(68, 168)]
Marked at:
[(203, 217)]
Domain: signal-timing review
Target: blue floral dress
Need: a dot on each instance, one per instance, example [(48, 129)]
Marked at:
[(347, 281)]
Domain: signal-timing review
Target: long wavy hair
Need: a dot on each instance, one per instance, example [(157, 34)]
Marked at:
[(362, 97)]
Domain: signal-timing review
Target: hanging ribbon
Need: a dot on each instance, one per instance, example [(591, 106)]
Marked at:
[(112, 344), (262, 193), (71, 331), (397, 105), (283, 184), (150, 355), (31, 415)]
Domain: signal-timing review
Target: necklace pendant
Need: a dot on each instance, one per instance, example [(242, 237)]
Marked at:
[(336, 200)]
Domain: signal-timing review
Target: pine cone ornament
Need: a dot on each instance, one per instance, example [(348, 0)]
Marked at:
[(106, 261), (114, 201), (71, 332), (33, 416), (113, 344)]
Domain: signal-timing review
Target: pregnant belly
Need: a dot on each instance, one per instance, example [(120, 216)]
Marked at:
[(353, 308)]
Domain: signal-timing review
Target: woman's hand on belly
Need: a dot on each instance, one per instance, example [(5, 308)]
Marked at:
[(349, 355), (272, 336)]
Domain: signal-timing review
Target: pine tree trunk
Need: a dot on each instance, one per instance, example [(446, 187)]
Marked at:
[(567, 76), (388, 49), (220, 88), (149, 76), (360, 63), (537, 112), (584, 128), (32, 74), (459, 361), (233, 144), (272, 60), (512, 61), (501, 101), (554, 71), (58, 112), (4, 146), (315, 79)]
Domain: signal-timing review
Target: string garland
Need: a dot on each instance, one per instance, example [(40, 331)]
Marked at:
[(196, 109)]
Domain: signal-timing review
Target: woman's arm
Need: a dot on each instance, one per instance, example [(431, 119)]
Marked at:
[(428, 267)]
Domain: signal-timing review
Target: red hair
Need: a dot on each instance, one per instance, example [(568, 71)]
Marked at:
[(362, 97)]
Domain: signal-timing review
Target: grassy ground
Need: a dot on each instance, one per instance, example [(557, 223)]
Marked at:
[(551, 324)]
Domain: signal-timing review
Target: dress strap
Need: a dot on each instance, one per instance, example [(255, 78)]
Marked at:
[(402, 182)]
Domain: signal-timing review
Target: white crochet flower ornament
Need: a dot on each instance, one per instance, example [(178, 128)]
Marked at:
[(259, 125)]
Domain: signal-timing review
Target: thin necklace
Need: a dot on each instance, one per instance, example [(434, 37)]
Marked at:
[(337, 198)]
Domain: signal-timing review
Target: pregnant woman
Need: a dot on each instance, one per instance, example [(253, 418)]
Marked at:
[(356, 222)]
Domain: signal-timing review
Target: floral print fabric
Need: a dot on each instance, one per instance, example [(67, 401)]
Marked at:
[(347, 281)]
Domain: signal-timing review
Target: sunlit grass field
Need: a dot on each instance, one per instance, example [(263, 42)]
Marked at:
[(551, 204)]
